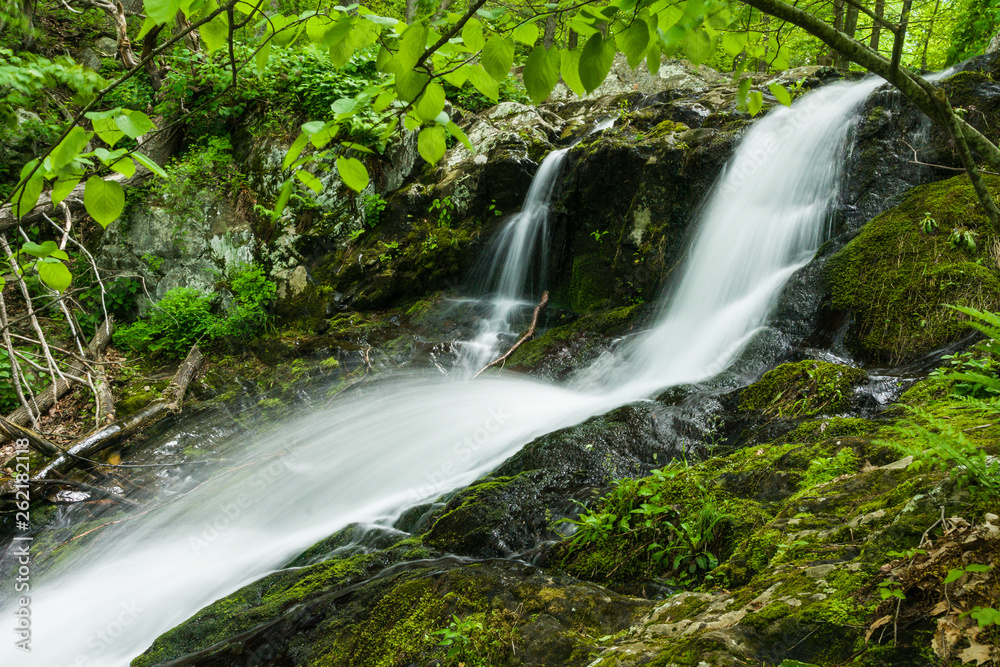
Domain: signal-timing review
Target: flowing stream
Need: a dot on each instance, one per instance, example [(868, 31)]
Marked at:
[(416, 436)]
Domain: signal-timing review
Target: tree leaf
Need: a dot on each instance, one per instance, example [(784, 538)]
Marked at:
[(55, 275), (353, 173), (953, 575), (411, 47), (69, 148), (780, 93), (570, 69), (295, 150), (596, 60), (733, 42), (431, 143), (409, 84), (64, 185), (457, 132), (149, 164), (755, 102), (162, 11), (261, 58), (40, 251), (697, 46), (472, 34), (541, 73), (742, 91), (431, 103), (215, 33), (133, 123), (107, 130), (311, 181), (104, 200), (633, 41), (483, 82), (283, 197), (24, 198), (124, 166), (498, 57), (526, 33)]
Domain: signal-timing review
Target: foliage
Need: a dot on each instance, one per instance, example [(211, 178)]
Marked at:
[(185, 316), (372, 205), (8, 394), (457, 636), (119, 298)]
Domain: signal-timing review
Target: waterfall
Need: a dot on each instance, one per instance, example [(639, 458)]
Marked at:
[(514, 257), (417, 436)]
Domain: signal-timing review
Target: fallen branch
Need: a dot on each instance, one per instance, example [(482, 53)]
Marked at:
[(35, 441), (50, 396), (527, 334), (169, 403)]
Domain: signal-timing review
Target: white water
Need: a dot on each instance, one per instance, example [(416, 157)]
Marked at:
[(513, 255), (420, 436)]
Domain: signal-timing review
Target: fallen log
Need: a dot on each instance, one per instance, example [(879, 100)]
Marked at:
[(527, 334), (61, 387), (74, 201), (170, 402), (35, 441)]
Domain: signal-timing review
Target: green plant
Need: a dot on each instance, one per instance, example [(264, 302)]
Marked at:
[(492, 208), (372, 205), (891, 589), (252, 292), (389, 251), (984, 616), (928, 224), (442, 210), (8, 393), (963, 237), (182, 318), (457, 636), (599, 235)]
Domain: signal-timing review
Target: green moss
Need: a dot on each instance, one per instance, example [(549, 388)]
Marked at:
[(596, 326), (803, 388), (665, 128), (896, 280), (398, 630), (589, 288)]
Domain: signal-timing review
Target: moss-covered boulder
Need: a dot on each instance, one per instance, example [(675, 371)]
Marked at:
[(803, 389), (898, 276)]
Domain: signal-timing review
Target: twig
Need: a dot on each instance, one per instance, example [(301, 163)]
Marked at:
[(527, 334)]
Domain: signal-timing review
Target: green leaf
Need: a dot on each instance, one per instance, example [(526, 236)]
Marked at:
[(633, 41), (124, 166), (39, 251), (411, 47), (24, 198), (742, 91), (431, 103), (133, 123), (976, 567), (953, 575), (283, 197), (382, 102), (498, 57), (541, 73), (104, 200), (457, 132), (149, 164), (384, 21), (353, 173), (107, 130), (431, 143), (697, 46), (261, 58), (324, 135), (295, 150), (472, 34), (64, 185), (311, 181), (733, 42), (781, 94), (162, 11), (409, 84), (526, 33), (654, 58), (570, 69), (55, 275), (483, 82), (755, 102), (215, 33), (596, 60), (69, 148)]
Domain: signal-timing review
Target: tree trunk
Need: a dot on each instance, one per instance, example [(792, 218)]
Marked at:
[(927, 36), (551, 23), (876, 28), (839, 60)]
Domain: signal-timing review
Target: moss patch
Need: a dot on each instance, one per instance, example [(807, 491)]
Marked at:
[(895, 279), (803, 389)]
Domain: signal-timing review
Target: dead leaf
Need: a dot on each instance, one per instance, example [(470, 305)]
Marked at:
[(885, 620), (940, 608), (978, 653)]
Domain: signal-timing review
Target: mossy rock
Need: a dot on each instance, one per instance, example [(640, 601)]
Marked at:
[(803, 389), (896, 280)]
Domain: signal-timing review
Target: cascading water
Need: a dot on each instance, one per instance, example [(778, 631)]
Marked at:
[(418, 436), (512, 256)]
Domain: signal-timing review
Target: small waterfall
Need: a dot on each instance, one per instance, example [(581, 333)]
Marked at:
[(369, 457), (515, 265)]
